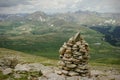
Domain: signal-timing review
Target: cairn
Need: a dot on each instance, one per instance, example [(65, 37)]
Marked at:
[(74, 57)]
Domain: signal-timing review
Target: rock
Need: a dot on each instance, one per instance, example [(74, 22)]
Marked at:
[(7, 71), (71, 65), (58, 72), (72, 73), (68, 51), (61, 63), (67, 55), (86, 78), (66, 59), (77, 70), (77, 37), (35, 66), (96, 72), (65, 72), (8, 62), (71, 40), (54, 76), (78, 43), (42, 78), (73, 78), (29, 67), (69, 44), (75, 46), (75, 57), (16, 75), (62, 50), (77, 53), (22, 67), (66, 68), (117, 77), (46, 70)]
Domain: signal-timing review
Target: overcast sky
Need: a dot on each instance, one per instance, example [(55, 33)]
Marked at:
[(53, 6)]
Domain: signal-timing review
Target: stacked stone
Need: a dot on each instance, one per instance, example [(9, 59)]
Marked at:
[(74, 57)]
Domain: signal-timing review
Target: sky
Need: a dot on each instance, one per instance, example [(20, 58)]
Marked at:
[(58, 6)]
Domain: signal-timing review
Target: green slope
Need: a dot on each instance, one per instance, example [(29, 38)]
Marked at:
[(42, 35), (45, 40)]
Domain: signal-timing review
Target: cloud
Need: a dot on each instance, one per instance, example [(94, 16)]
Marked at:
[(53, 6), (9, 3)]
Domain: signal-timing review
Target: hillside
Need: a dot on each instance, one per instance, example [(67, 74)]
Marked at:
[(42, 35), (29, 66), (25, 57)]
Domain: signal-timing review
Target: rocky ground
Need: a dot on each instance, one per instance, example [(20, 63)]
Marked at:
[(37, 71)]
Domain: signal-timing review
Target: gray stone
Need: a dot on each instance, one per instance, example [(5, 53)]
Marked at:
[(67, 55), (69, 44), (22, 67), (65, 72), (62, 50), (96, 72), (46, 70), (58, 72), (77, 37), (7, 71), (71, 40), (61, 63), (86, 78), (73, 78), (35, 66), (75, 56), (68, 51), (42, 78), (72, 73), (71, 65), (54, 76), (16, 75)]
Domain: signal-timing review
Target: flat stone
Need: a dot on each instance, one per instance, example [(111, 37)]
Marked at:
[(22, 67), (7, 71), (71, 40), (71, 65), (16, 75), (77, 53), (96, 72), (72, 73), (69, 44), (62, 50), (61, 63), (42, 78), (66, 68), (73, 78), (67, 55), (75, 46), (58, 72), (54, 76), (86, 78), (77, 70), (46, 70), (68, 51), (77, 37), (65, 72)]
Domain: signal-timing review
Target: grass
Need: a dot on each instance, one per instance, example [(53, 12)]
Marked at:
[(46, 43), (25, 57)]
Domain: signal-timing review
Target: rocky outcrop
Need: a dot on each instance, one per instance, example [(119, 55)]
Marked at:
[(8, 62), (74, 57)]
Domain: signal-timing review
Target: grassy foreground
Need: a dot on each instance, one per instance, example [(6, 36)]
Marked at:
[(29, 58)]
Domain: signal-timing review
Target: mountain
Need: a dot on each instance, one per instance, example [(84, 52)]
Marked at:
[(42, 34)]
